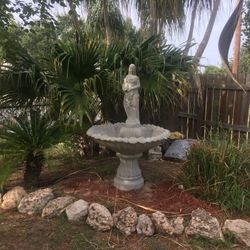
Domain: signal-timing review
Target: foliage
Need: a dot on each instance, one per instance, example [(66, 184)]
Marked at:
[(245, 49), (73, 74), (211, 69), (96, 18), (26, 10), (23, 141), (157, 64), (219, 171), (70, 69)]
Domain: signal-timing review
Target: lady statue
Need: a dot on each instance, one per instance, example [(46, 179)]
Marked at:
[(131, 97)]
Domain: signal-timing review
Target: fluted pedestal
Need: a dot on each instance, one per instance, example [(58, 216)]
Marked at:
[(128, 175)]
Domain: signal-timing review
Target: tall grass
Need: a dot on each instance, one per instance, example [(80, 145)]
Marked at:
[(219, 171)]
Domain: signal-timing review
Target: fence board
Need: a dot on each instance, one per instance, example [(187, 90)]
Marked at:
[(224, 105)]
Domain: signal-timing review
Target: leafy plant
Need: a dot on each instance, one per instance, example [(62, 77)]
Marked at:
[(219, 171), (159, 66), (23, 141)]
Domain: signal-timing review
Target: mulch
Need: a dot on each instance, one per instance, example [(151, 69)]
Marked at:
[(163, 195)]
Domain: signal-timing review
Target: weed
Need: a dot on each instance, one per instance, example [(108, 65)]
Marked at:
[(199, 243), (219, 171)]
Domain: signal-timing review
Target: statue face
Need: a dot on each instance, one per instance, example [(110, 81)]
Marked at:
[(132, 69)]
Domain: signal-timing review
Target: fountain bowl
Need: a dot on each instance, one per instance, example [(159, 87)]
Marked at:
[(110, 136)]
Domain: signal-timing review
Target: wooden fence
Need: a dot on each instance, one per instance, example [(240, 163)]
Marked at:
[(219, 104)]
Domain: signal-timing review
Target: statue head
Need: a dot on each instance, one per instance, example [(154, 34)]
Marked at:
[(132, 69)]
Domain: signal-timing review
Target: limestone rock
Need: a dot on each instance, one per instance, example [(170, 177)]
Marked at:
[(57, 206), (179, 149), (240, 229), (162, 224), (13, 197), (33, 203), (145, 225), (203, 224), (125, 220), (177, 224), (77, 210), (99, 217)]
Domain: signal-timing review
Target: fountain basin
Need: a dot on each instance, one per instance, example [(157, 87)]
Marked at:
[(109, 135), (129, 148)]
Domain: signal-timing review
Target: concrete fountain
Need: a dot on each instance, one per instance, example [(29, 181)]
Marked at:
[(130, 139)]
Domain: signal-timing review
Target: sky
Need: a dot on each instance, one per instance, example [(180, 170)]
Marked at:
[(211, 54)]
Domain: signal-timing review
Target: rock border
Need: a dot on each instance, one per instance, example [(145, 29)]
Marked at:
[(127, 221)]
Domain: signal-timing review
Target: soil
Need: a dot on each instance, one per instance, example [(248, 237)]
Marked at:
[(160, 192), (92, 181)]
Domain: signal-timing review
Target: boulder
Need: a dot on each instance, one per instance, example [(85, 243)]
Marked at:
[(204, 225), (13, 197), (57, 206), (125, 220), (177, 224), (99, 217), (179, 149), (145, 225), (162, 224), (77, 210), (33, 203), (240, 229)]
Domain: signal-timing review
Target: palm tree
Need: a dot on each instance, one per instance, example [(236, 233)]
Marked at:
[(195, 6), (102, 16), (105, 14), (157, 63), (156, 15), (72, 75), (207, 33), (23, 141)]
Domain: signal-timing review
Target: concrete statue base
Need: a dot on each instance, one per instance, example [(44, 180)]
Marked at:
[(128, 175)]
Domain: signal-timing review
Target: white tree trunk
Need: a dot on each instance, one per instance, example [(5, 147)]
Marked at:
[(207, 34), (191, 29)]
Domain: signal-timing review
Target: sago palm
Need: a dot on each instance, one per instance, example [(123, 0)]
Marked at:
[(23, 141)]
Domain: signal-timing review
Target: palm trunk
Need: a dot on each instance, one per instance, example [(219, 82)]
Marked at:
[(32, 171), (106, 22), (207, 34), (191, 29), (236, 56), (75, 20), (153, 19)]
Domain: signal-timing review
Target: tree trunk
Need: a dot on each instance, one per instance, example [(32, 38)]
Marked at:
[(74, 17), (153, 19), (236, 56), (106, 22), (32, 171), (207, 34), (191, 29)]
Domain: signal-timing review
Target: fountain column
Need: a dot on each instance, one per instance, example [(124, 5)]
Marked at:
[(129, 175)]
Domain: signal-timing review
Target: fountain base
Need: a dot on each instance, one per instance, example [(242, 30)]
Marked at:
[(128, 175)]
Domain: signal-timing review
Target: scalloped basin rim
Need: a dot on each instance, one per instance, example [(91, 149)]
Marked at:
[(99, 132)]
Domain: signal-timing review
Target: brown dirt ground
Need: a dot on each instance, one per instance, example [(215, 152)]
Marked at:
[(92, 181)]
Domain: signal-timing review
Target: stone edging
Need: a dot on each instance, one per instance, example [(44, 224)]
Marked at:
[(126, 220)]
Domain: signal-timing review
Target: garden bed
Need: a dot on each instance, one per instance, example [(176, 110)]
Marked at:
[(92, 181)]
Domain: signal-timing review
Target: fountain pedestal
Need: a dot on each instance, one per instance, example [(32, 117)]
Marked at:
[(128, 175)]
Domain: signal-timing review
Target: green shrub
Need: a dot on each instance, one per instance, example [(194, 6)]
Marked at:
[(219, 171), (23, 141)]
